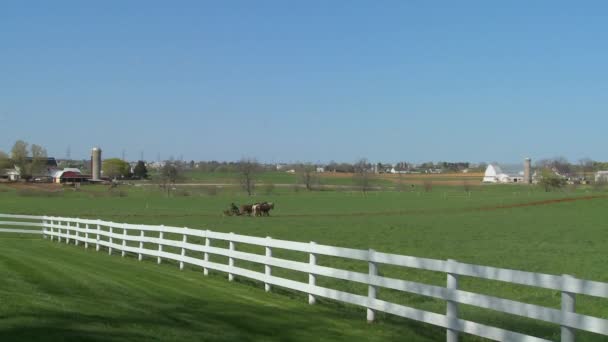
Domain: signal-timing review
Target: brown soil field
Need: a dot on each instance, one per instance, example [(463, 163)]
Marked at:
[(452, 179)]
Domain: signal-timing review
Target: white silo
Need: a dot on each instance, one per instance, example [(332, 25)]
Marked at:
[(528, 171), (96, 164)]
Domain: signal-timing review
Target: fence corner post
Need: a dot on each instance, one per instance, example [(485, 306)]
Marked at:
[(267, 269), (371, 289), (452, 306), (568, 306), (312, 278)]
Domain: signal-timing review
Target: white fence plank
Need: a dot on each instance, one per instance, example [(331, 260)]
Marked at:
[(21, 231)]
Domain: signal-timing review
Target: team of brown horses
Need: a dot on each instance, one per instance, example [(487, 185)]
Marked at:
[(256, 209)]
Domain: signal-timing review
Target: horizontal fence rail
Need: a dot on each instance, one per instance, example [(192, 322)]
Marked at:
[(89, 232), (21, 224)]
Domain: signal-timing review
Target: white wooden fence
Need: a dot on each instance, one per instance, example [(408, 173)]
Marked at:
[(90, 233)]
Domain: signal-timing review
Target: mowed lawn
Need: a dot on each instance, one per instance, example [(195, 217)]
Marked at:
[(55, 292), (524, 228)]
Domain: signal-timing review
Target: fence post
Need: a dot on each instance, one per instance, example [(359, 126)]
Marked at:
[(111, 240), (451, 306), (97, 239), (59, 231), (124, 241), (184, 240), (44, 224), (67, 231), (76, 233), (312, 278), (160, 245), (230, 258), (141, 245), (206, 254), (371, 289), (568, 306), (52, 231), (267, 269), (86, 235)]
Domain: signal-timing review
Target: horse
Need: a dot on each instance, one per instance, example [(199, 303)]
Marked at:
[(246, 209), (255, 208), (265, 208)]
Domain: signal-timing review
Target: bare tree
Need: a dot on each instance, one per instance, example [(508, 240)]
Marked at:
[(559, 164), (19, 154), (308, 176), (248, 169), (586, 166), (169, 174), (39, 159), (363, 175)]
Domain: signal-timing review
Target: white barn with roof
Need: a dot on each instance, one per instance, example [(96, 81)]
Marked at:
[(494, 174)]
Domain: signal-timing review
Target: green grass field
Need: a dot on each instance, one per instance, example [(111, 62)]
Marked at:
[(505, 226), (54, 292)]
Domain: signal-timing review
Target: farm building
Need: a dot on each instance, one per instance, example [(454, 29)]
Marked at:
[(601, 176), (495, 174), (69, 175), (12, 175)]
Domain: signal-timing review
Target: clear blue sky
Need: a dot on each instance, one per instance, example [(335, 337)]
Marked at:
[(307, 80)]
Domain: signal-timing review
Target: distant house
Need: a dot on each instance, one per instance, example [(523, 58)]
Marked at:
[(495, 174), (12, 175), (320, 169)]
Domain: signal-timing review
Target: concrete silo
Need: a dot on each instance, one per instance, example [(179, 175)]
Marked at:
[(96, 164), (528, 171)]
